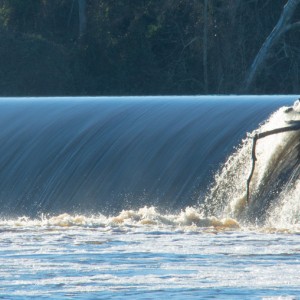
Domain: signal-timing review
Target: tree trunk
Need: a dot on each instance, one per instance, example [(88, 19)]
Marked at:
[(204, 58), (82, 18), (280, 28)]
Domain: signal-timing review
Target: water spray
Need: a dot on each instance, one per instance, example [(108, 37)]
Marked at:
[(256, 137)]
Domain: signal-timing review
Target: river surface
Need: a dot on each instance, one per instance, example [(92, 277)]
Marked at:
[(144, 198)]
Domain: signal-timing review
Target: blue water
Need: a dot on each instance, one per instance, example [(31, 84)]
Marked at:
[(104, 198), (118, 153), (147, 263)]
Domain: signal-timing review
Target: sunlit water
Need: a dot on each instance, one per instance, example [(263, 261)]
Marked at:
[(212, 246), (141, 258)]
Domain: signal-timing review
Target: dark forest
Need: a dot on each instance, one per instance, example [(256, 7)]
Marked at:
[(149, 47)]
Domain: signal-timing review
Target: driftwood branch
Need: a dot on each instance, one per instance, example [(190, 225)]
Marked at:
[(260, 136)]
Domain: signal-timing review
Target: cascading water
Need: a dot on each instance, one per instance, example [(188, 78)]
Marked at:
[(116, 198), (275, 181), (89, 155), (103, 156)]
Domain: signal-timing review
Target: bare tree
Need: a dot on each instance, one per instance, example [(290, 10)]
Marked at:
[(283, 25), (204, 58), (82, 18)]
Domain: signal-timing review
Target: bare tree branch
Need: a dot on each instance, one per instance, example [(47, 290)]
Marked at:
[(82, 17), (205, 73), (280, 28), (293, 26)]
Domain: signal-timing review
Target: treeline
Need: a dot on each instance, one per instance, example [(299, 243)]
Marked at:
[(142, 47)]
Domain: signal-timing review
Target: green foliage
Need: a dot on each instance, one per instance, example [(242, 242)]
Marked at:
[(32, 66), (4, 15), (141, 47)]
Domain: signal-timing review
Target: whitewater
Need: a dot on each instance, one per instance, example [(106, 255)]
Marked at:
[(145, 198)]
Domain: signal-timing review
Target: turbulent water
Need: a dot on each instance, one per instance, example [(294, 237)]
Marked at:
[(145, 198)]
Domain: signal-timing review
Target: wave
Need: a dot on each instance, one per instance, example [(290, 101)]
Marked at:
[(146, 218)]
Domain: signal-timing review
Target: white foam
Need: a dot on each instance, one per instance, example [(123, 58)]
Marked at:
[(296, 106), (286, 212), (146, 217)]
